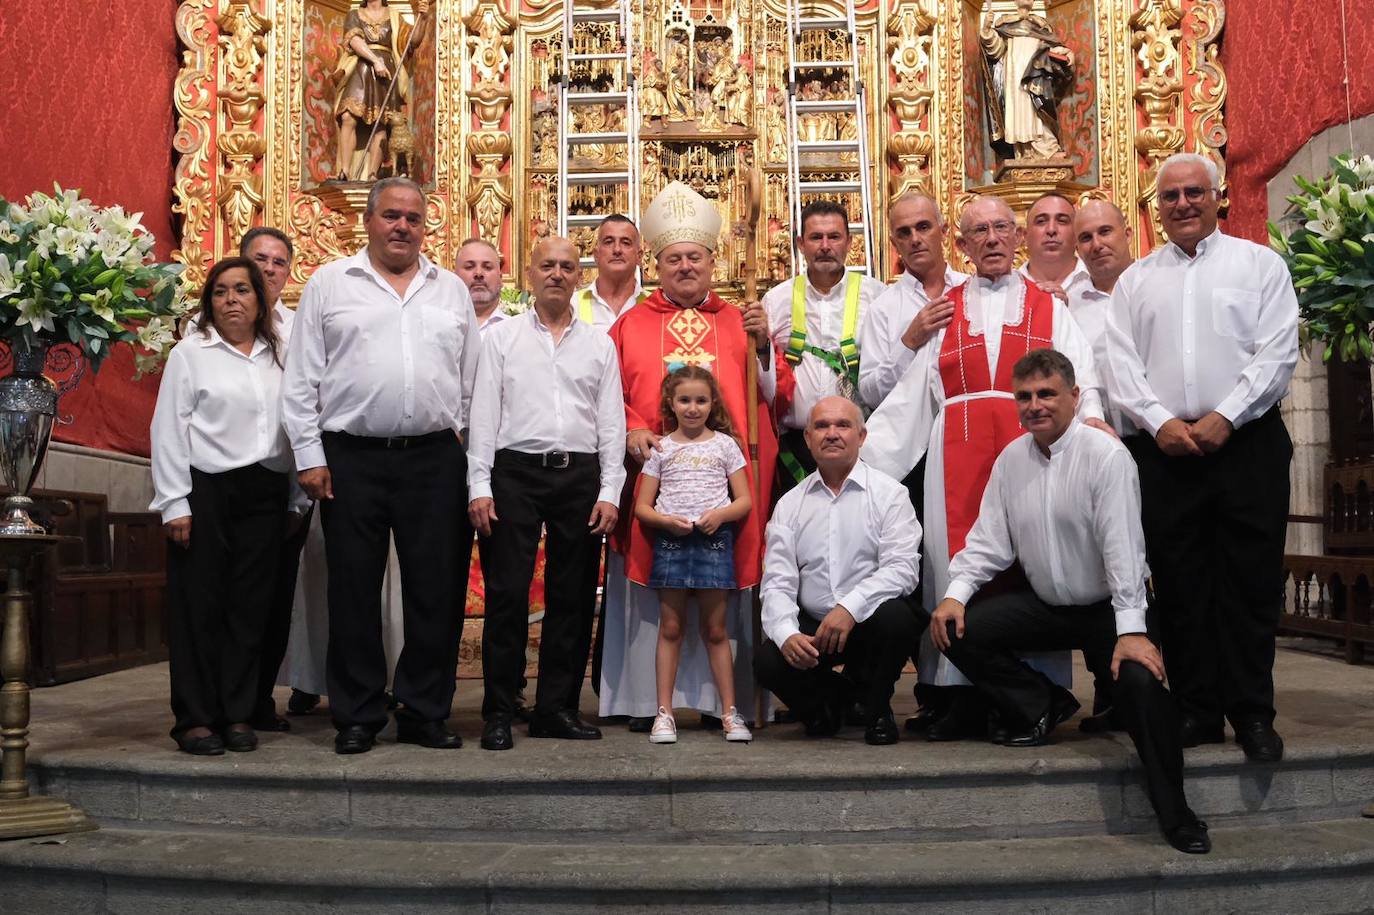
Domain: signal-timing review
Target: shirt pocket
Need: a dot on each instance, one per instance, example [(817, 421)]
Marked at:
[(1234, 312), (441, 328)]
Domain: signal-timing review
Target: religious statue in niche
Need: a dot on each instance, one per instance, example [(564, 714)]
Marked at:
[(681, 95), (373, 85), (653, 93), (739, 98), (1026, 70)]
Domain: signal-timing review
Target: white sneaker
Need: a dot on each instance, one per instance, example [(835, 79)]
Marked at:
[(734, 728), (664, 729)]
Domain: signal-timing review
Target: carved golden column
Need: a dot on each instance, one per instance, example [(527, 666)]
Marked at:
[(194, 98), (489, 41), (243, 35), (910, 32), (1159, 91)]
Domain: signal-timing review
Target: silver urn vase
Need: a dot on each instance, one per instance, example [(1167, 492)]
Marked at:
[(28, 407)]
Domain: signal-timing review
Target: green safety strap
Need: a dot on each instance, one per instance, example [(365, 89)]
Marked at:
[(846, 362), (790, 463)]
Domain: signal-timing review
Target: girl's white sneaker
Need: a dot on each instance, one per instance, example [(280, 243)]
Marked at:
[(734, 728), (664, 729)]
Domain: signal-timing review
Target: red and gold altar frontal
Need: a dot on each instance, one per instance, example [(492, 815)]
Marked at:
[(476, 118)]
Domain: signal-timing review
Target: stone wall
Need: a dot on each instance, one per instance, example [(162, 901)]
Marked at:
[(1305, 408), (125, 479)]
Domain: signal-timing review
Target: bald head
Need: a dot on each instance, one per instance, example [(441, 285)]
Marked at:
[(1103, 241), (989, 235), (553, 273)]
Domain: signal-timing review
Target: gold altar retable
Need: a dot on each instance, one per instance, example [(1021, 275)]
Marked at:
[(256, 124)]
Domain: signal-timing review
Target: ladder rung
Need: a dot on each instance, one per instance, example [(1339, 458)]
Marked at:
[(828, 146), (597, 98), (604, 137), (608, 15), (828, 187), (855, 227), (822, 64), (585, 220), (805, 107), (840, 22), (577, 57), (598, 177), (585, 262)]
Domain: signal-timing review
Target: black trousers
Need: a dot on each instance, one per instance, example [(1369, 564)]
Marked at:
[(529, 496), (877, 650), (277, 632), (417, 494), (1214, 531), (999, 627), (219, 594)]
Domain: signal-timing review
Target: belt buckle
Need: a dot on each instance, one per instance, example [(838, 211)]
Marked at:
[(558, 460)]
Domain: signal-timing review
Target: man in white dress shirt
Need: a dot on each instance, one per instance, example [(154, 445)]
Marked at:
[(955, 404), (378, 383), (272, 251), (478, 265), (839, 578), (618, 253), (814, 319), (1064, 501), (1052, 261), (1202, 337), (547, 449), (904, 317)]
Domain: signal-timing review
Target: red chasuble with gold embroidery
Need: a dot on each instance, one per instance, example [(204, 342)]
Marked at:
[(655, 337), (978, 422)]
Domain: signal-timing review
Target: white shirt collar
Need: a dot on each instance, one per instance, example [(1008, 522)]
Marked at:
[(1000, 284), (1079, 274), (361, 263), (1060, 444), (634, 296), (210, 337), (858, 477), (1202, 246), (543, 328)]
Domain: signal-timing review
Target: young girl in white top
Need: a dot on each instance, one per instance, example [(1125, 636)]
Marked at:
[(693, 491)]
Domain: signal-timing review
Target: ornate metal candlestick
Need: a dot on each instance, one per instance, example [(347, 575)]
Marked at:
[(20, 814)]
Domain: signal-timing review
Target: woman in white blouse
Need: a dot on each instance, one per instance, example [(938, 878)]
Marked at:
[(223, 483)]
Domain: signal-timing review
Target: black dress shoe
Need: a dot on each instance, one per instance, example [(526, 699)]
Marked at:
[(496, 734), (1102, 722), (956, 725), (856, 716), (998, 731), (209, 745), (301, 702), (827, 719), (882, 730), (354, 739), (1190, 838), (920, 722), (240, 740), (276, 724), (1260, 741), (1063, 706), (1194, 732), (432, 734), (564, 724), (639, 725)]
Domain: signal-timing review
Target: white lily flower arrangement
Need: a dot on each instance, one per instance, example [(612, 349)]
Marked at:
[(72, 272), (514, 301), (1330, 254)]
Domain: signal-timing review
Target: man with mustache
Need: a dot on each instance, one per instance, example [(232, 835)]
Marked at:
[(903, 318), (378, 383), (685, 323), (1202, 336), (1051, 260), (814, 318), (1064, 502), (547, 450), (617, 254), (478, 265), (955, 404)]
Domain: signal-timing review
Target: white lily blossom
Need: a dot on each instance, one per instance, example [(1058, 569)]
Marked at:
[(35, 315)]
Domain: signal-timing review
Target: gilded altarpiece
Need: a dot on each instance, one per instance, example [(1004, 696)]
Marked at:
[(257, 128)]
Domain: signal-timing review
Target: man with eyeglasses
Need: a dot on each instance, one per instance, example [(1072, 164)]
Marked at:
[(954, 406), (1202, 337)]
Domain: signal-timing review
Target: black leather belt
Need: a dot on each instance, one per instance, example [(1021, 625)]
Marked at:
[(395, 442), (553, 460)]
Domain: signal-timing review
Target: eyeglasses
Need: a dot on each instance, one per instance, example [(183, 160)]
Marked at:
[(1002, 227), (1193, 194)]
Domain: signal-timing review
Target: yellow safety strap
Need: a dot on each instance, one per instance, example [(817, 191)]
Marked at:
[(849, 348)]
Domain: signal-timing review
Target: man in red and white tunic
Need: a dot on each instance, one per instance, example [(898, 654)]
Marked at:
[(685, 323), (954, 403)]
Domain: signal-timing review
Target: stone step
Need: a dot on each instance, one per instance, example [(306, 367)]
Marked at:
[(782, 785), (1313, 868)]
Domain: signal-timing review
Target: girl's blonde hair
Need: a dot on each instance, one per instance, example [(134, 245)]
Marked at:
[(718, 420)]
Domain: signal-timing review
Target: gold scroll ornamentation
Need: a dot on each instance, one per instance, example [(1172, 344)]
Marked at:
[(243, 36), (1207, 97), (911, 31), (489, 41), (194, 93), (1155, 38)]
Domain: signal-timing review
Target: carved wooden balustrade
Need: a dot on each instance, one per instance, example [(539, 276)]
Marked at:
[(1329, 595)]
